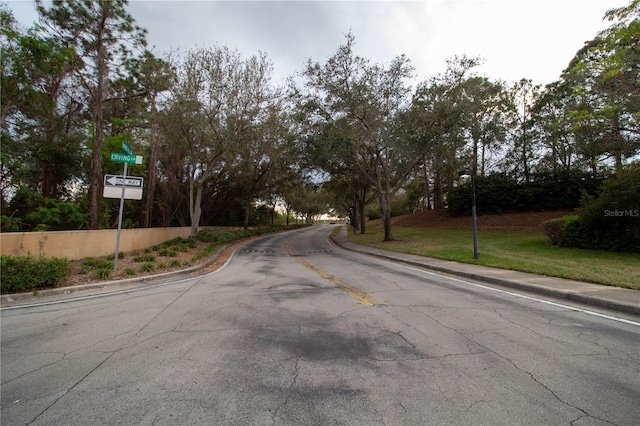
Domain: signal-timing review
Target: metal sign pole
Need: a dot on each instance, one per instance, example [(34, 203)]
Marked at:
[(124, 181)]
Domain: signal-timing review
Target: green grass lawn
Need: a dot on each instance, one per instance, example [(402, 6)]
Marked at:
[(525, 251)]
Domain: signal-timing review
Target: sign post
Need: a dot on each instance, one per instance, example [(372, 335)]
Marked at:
[(126, 159)]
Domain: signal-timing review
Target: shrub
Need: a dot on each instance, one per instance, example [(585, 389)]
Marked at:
[(103, 273), (147, 257), (553, 229), (611, 221), (566, 231), (37, 212), (10, 224), (146, 267), (91, 263), (167, 252), (498, 193), (28, 273), (573, 233), (204, 252)]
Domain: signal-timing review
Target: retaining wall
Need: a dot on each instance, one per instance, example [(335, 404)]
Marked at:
[(76, 245)]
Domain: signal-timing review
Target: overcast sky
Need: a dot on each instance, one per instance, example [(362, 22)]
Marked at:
[(517, 39)]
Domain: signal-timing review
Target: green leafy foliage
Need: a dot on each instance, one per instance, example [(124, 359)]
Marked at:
[(147, 267), (103, 273), (167, 252), (21, 274), (498, 193), (611, 221), (91, 263), (147, 257), (32, 211), (553, 229), (221, 236)]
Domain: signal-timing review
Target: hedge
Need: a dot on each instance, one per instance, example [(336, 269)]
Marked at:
[(20, 274)]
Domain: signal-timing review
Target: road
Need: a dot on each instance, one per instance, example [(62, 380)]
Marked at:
[(296, 331)]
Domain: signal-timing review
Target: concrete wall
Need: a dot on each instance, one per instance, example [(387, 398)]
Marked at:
[(76, 245)]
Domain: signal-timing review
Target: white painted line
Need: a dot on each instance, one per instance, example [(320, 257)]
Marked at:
[(522, 296)]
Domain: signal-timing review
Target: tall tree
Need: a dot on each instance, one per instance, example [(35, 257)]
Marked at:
[(364, 102), (481, 118), (437, 123), (187, 126), (153, 76), (257, 132), (520, 99), (551, 117), (40, 113), (223, 110), (102, 34), (605, 76)]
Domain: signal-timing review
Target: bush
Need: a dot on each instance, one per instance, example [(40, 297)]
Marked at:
[(103, 273), (33, 212), (611, 221), (147, 257), (28, 273), (89, 263), (497, 193), (146, 267), (565, 231), (167, 252), (553, 229)]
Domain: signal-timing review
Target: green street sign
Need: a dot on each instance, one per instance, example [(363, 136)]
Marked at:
[(126, 148), (119, 157)]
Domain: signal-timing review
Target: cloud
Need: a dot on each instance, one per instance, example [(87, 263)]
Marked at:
[(517, 38)]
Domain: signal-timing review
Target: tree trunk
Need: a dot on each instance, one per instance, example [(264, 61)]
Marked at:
[(438, 202), (247, 215), (385, 210), (386, 222), (151, 170), (95, 181), (195, 209), (273, 215)]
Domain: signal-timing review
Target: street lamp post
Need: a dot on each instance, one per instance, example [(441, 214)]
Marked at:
[(474, 216)]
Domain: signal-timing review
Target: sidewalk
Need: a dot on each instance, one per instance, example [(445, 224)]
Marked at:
[(612, 298)]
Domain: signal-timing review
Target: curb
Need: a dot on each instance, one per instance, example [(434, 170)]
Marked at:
[(567, 295), (10, 300)]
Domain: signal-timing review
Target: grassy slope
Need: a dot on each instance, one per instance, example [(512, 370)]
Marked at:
[(524, 249)]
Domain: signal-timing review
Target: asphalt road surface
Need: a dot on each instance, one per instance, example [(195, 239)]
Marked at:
[(296, 331)]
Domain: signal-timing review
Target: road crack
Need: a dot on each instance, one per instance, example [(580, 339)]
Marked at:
[(294, 380)]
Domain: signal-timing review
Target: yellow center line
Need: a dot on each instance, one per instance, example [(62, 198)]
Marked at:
[(353, 291)]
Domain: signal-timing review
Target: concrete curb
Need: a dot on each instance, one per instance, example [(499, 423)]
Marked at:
[(9, 300), (582, 293), (586, 297)]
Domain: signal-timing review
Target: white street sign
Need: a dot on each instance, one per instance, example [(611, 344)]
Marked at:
[(132, 181), (132, 187), (116, 192)]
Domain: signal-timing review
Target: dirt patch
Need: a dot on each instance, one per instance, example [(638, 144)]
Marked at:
[(527, 221)]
